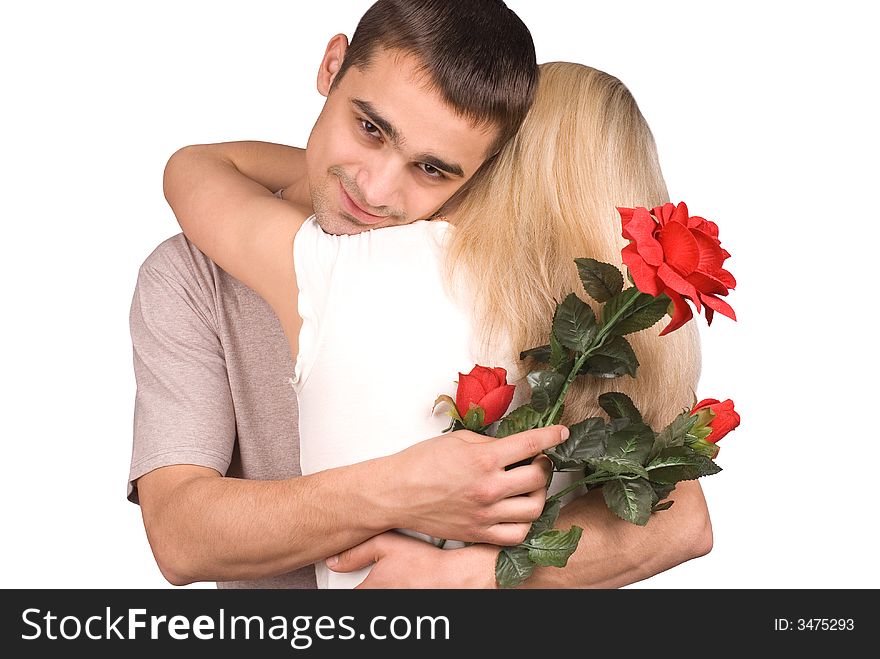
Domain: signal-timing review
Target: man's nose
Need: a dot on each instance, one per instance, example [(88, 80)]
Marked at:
[(379, 182)]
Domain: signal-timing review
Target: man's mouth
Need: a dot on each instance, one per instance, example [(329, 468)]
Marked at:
[(351, 207)]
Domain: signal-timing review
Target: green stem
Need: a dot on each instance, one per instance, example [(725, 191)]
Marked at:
[(598, 477), (607, 327), (441, 543), (597, 343), (571, 376)]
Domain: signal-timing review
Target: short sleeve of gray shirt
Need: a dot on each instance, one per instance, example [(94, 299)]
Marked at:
[(213, 369)]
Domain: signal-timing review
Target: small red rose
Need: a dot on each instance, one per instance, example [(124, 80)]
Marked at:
[(486, 387), (673, 253), (725, 419)]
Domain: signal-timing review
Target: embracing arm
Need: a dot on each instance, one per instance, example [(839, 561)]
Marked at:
[(614, 553), (272, 166), (218, 194), (611, 553), (204, 527)]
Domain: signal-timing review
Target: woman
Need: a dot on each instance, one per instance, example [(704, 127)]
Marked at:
[(387, 318)]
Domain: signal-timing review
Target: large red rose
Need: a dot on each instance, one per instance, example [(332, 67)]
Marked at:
[(486, 387), (672, 253)]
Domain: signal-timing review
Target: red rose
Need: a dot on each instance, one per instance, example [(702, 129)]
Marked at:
[(672, 253), (486, 387), (725, 419)]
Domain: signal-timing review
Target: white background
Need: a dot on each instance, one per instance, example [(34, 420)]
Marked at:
[(765, 117)]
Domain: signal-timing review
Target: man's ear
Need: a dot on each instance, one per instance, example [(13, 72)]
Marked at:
[(331, 63)]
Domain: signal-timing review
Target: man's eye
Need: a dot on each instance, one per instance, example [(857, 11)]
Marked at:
[(369, 128), (430, 170)]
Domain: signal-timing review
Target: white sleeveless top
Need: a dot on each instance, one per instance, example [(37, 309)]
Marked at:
[(380, 340)]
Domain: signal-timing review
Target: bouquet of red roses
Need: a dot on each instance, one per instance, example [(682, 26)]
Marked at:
[(671, 258)]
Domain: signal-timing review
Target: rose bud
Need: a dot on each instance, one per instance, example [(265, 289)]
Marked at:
[(714, 420), (486, 388)]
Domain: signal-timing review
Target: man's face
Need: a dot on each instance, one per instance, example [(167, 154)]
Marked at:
[(386, 150)]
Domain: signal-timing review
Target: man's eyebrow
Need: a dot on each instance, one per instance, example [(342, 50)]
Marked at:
[(377, 120), (396, 139), (443, 166)]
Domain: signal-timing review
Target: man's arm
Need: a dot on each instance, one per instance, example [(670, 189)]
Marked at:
[(611, 553), (204, 527)]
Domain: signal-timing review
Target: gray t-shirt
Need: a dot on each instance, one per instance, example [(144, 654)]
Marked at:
[(212, 366)]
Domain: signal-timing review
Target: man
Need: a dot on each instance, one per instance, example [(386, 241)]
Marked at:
[(210, 359)]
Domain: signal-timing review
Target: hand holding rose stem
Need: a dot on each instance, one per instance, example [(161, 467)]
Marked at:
[(671, 257)]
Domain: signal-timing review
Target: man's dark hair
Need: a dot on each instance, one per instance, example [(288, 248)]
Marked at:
[(478, 54)]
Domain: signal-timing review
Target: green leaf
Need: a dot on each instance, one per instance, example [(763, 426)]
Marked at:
[(574, 324), (620, 406), (645, 313), (642, 311), (474, 418), (674, 434), (666, 505), (513, 566), (546, 387), (586, 440), (633, 442), (629, 499), (612, 308), (547, 519), (601, 281), (618, 466), (522, 418), (554, 547), (558, 353), (673, 456), (615, 358), (541, 354), (680, 463), (554, 353), (617, 424), (661, 490)]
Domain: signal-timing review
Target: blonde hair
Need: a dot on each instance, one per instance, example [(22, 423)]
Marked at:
[(549, 197)]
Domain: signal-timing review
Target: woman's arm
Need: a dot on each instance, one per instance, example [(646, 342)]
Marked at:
[(613, 553), (274, 166), (218, 194)]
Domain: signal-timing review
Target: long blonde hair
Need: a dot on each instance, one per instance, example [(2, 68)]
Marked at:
[(550, 197)]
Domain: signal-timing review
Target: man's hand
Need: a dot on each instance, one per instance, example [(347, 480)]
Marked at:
[(455, 486), (404, 562)]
